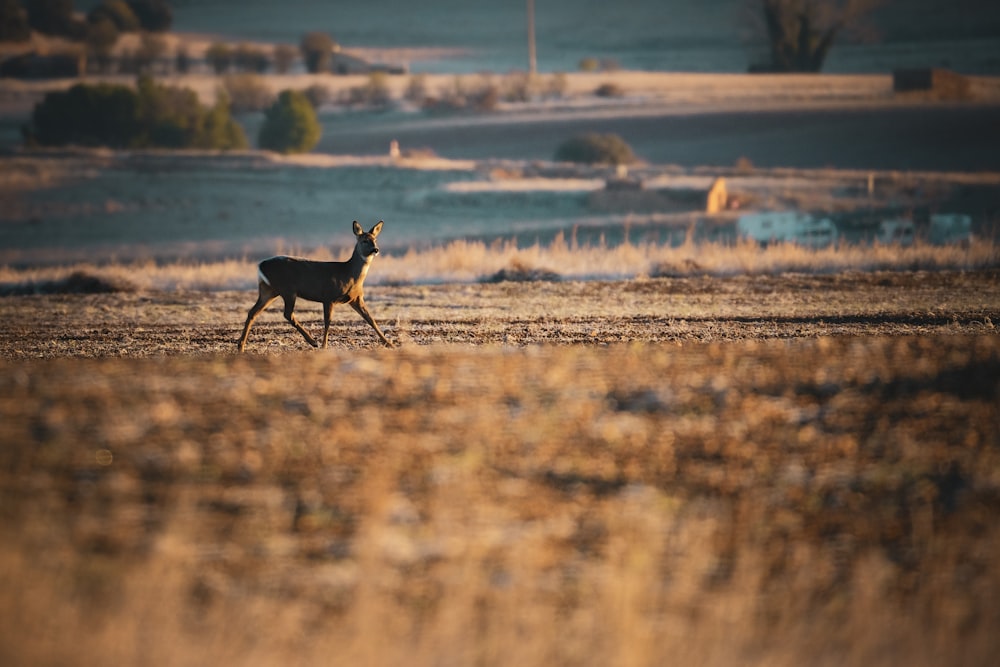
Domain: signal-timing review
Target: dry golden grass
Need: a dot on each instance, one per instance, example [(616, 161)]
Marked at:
[(470, 261), (823, 501)]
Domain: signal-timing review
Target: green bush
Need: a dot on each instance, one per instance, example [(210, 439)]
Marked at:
[(150, 116), (86, 115), (220, 131), (595, 149), (290, 125)]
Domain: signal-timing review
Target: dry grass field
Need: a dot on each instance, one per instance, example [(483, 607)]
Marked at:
[(761, 470)]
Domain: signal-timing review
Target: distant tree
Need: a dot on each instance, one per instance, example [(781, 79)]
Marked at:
[(99, 115), (317, 51), (153, 15), (182, 60), (375, 92), (151, 115), (220, 57), (416, 89), (290, 125), (800, 33), (152, 48), (116, 11), (284, 56), (174, 118), (55, 17), (251, 59), (595, 149), (14, 25), (102, 35), (220, 131)]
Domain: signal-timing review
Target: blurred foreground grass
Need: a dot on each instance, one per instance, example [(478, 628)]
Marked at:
[(818, 501)]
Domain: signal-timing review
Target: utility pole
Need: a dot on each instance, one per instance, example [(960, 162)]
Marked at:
[(532, 62)]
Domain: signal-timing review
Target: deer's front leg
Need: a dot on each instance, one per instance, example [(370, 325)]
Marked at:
[(359, 305)]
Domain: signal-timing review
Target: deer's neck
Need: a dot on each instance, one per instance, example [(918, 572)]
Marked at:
[(360, 264)]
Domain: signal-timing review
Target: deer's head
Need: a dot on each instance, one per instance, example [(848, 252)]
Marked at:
[(367, 245)]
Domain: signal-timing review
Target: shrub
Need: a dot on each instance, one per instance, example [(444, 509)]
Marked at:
[(609, 90), (220, 57), (484, 95), (251, 59), (317, 94), (374, 93), (317, 51), (284, 56), (517, 87), (416, 89), (557, 85), (120, 117), (220, 131), (247, 92), (595, 149), (290, 125)]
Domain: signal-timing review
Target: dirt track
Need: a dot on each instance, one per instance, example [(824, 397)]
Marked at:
[(660, 310)]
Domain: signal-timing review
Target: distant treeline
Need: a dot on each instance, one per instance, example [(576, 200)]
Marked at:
[(152, 115), (58, 18)]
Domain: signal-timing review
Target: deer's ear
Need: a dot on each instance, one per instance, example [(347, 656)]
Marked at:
[(357, 229), (377, 228)]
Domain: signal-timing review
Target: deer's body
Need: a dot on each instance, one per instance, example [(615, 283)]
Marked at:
[(328, 283)]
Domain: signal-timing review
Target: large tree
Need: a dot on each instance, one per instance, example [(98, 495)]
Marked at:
[(13, 22), (153, 15), (800, 33), (54, 17)]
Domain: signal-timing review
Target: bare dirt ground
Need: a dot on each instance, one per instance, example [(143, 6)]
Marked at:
[(514, 313), (756, 470)]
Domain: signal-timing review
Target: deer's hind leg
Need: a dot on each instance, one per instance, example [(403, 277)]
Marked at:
[(327, 315), (265, 295), (290, 316)]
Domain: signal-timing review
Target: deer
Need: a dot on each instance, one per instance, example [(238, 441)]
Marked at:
[(328, 283)]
